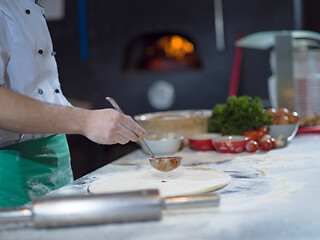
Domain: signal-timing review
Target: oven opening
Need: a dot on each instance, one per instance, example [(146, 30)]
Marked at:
[(161, 53)]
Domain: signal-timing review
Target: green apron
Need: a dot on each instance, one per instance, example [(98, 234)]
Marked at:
[(33, 168)]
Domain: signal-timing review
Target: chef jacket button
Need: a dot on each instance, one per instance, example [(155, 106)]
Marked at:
[(57, 90), (40, 91), (21, 136), (27, 11), (40, 51)]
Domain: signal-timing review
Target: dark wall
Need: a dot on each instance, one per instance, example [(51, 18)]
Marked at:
[(311, 15), (112, 24), (111, 27)]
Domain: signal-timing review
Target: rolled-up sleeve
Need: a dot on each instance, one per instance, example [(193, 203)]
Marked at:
[(5, 46)]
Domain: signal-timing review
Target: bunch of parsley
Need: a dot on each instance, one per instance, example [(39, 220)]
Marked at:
[(238, 115)]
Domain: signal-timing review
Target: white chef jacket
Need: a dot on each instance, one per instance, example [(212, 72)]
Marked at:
[(27, 62)]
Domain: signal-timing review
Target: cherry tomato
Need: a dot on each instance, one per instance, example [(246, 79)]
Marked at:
[(252, 135), (268, 137), (266, 144), (256, 135), (265, 137), (262, 130), (252, 146)]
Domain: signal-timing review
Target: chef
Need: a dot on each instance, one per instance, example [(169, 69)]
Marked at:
[(35, 115)]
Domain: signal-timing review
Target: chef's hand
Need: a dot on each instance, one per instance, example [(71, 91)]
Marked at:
[(108, 126)]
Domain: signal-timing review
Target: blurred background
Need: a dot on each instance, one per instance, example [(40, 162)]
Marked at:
[(162, 55)]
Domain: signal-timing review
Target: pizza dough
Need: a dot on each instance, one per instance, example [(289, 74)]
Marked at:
[(182, 181)]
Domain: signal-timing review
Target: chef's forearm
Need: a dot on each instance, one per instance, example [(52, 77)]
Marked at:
[(23, 114)]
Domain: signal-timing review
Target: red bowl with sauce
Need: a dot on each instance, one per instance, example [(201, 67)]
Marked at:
[(203, 141), (230, 144)]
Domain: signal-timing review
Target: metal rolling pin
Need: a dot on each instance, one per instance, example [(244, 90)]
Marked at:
[(74, 210)]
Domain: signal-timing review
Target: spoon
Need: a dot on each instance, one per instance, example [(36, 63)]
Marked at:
[(164, 164)]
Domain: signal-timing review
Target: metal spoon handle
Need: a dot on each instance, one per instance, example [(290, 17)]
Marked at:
[(147, 147), (116, 106)]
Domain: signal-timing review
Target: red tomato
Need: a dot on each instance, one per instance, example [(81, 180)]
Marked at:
[(266, 144), (263, 130), (265, 137), (268, 137), (252, 135), (252, 146), (256, 135)]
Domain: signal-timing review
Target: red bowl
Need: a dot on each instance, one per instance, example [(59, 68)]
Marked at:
[(230, 144), (203, 141)]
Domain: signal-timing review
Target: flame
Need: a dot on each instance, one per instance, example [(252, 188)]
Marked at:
[(176, 42), (173, 46)]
